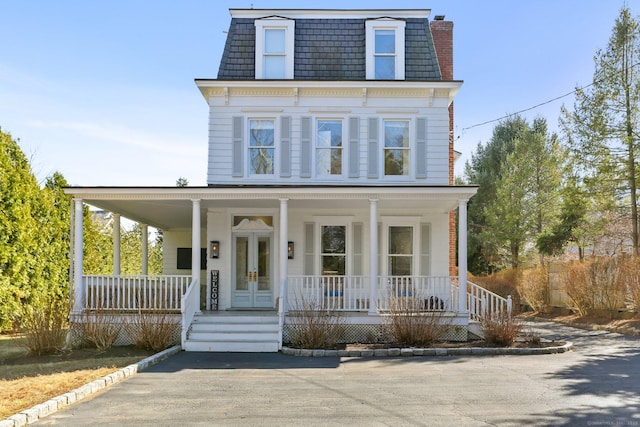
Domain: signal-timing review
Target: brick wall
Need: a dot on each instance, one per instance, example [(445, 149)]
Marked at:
[(442, 33)]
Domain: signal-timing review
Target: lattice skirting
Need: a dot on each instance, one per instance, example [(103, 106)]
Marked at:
[(368, 333), (127, 328)]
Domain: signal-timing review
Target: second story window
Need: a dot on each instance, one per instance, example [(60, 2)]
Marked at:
[(261, 147), (329, 147), (274, 53), (385, 49), (274, 48), (396, 148), (384, 55)]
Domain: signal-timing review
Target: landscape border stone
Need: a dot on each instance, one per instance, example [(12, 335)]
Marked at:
[(439, 351), (33, 414)]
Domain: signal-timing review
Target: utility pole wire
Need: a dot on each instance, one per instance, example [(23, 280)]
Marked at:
[(538, 105)]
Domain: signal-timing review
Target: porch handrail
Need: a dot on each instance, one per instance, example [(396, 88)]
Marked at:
[(482, 302), (189, 307), (134, 292)]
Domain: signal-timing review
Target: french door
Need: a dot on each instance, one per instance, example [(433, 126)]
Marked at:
[(253, 270)]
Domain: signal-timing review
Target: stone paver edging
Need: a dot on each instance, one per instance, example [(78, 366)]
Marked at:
[(394, 352), (33, 414)]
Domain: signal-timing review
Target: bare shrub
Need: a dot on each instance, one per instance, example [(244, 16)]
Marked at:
[(610, 286), (500, 328), (576, 281), (411, 325), (312, 327), (596, 287), (152, 330), (44, 326), (631, 274), (533, 287), (99, 329)]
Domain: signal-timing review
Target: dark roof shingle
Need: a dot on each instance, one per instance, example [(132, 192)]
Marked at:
[(329, 49)]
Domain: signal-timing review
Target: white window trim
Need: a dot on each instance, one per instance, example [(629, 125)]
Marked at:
[(315, 149), (385, 24), (275, 23), (412, 147), (276, 148), (345, 221), (400, 221)]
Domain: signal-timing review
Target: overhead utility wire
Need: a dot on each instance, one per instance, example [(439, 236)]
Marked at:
[(538, 105)]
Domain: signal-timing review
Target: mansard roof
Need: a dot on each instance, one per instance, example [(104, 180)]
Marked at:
[(330, 46)]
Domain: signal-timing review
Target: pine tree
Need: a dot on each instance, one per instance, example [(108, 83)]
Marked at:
[(600, 129)]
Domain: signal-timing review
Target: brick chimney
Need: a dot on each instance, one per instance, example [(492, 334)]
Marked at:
[(442, 33)]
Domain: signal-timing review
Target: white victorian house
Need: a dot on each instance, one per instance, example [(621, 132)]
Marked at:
[(330, 179)]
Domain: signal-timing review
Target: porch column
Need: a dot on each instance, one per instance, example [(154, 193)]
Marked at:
[(116, 244), (373, 256), (462, 255), (284, 258), (78, 249), (195, 247), (145, 249)]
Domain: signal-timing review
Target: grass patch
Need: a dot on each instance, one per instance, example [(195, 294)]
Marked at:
[(27, 380)]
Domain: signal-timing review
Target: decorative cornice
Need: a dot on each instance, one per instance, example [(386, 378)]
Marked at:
[(267, 193)]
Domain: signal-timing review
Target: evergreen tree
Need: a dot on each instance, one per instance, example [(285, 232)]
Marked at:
[(33, 236), (520, 171), (601, 128)]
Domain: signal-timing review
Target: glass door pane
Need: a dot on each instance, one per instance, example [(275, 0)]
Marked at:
[(264, 263), (242, 263)]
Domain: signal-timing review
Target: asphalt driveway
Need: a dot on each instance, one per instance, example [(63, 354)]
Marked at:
[(598, 383)]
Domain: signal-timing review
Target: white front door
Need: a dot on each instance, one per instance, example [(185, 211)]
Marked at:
[(253, 270)]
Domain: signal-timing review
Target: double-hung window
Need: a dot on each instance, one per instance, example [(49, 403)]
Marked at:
[(333, 250), (274, 48), (329, 148), (384, 54), (397, 148), (261, 147), (385, 49), (400, 251)]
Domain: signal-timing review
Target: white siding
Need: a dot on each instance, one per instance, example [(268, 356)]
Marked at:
[(318, 105)]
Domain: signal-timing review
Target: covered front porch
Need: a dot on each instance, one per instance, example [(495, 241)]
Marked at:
[(294, 263)]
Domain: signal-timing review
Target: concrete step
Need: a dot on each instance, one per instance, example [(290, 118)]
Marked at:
[(233, 327), (232, 346), (248, 336), (233, 332), (208, 320)]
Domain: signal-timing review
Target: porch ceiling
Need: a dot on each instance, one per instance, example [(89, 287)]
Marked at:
[(171, 207)]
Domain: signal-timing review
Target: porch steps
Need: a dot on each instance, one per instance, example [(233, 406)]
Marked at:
[(234, 332)]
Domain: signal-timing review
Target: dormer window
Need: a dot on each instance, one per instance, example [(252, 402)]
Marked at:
[(274, 48), (385, 49)]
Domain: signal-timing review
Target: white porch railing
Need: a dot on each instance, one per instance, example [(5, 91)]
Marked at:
[(433, 293), (104, 292), (351, 293), (341, 293), (481, 302), (190, 305)]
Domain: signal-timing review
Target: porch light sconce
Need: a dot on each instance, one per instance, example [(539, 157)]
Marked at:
[(290, 250), (215, 249)]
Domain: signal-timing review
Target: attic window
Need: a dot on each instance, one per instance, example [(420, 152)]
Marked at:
[(385, 49), (274, 48)]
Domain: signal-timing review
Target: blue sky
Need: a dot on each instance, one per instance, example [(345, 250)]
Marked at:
[(103, 90)]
